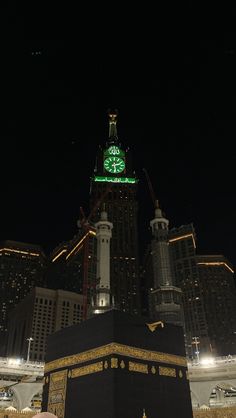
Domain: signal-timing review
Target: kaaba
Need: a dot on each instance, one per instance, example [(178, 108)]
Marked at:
[(116, 365)]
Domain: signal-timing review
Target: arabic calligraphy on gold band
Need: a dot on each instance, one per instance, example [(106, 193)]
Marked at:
[(115, 349)]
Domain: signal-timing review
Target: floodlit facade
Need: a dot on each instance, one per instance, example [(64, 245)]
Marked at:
[(165, 296), (41, 313), (209, 295), (22, 267)]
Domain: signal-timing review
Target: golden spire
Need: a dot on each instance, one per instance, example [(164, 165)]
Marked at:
[(112, 125)]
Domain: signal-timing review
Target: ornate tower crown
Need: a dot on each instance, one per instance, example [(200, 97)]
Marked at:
[(113, 137)]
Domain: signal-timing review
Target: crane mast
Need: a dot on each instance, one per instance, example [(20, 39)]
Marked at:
[(153, 197)]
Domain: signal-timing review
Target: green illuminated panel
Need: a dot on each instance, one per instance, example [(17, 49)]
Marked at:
[(115, 179), (114, 151)]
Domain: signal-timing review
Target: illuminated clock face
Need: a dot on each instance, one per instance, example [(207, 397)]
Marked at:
[(114, 164)]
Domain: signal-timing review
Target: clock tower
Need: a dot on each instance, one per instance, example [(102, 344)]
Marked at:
[(114, 171)]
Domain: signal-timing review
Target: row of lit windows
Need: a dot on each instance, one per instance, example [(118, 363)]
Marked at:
[(45, 301)]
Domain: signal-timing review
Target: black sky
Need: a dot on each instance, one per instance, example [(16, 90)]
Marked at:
[(172, 78)]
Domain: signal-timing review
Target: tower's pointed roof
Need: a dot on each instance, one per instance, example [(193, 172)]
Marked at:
[(158, 211)]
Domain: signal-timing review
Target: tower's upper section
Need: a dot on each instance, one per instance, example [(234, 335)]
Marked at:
[(103, 227), (113, 161), (159, 224)]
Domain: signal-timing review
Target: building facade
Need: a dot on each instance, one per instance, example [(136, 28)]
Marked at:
[(114, 182), (216, 277), (22, 266), (72, 265), (209, 295), (182, 242), (41, 313)]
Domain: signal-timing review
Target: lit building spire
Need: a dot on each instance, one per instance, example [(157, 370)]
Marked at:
[(161, 256), (165, 298), (113, 137), (158, 211), (103, 301)]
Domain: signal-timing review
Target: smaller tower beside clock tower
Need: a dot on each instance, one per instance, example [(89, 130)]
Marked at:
[(103, 300), (165, 298)]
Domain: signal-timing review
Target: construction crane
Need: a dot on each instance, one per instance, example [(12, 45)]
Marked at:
[(152, 193), (153, 197), (87, 228)]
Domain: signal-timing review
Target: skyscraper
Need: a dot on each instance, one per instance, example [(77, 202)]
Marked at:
[(22, 266), (41, 313), (114, 170), (72, 265), (209, 294), (216, 277)]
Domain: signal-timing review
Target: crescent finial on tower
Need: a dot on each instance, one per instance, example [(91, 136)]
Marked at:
[(113, 137)]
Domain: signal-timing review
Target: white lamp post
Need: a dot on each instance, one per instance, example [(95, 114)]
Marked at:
[(30, 339), (196, 342)]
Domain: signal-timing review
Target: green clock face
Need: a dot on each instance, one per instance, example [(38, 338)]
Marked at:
[(114, 164)]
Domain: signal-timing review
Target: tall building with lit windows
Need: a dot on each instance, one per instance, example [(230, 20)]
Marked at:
[(22, 267), (182, 243), (216, 276), (113, 188), (209, 294), (41, 313), (72, 265), (114, 182)]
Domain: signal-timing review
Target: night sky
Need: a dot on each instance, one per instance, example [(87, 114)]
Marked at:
[(174, 86)]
